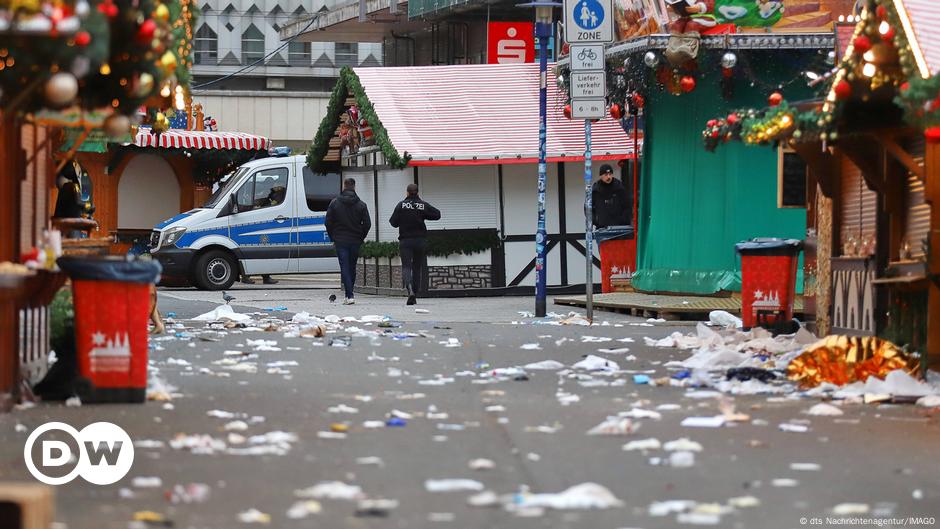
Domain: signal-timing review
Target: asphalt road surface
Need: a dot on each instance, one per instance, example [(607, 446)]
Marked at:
[(873, 461)]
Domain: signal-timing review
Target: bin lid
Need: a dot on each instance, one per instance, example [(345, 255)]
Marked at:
[(111, 268), (769, 243), (613, 232)]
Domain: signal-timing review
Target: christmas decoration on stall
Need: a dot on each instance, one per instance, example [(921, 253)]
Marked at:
[(348, 85), (764, 126), (46, 47), (877, 61), (111, 55)]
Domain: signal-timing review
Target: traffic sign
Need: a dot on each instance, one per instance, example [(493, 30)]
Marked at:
[(587, 57), (588, 85), (588, 108), (588, 21)]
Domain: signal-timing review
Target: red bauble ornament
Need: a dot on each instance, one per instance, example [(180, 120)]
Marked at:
[(861, 44), (905, 86), (732, 119), (727, 72), (108, 9), (145, 31), (715, 133), (616, 111), (775, 99), (82, 38), (888, 35), (567, 111), (687, 83), (932, 135), (565, 49), (843, 89), (711, 123), (638, 101), (881, 12)]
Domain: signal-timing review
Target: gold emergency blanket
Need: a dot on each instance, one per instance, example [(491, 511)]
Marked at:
[(842, 360)]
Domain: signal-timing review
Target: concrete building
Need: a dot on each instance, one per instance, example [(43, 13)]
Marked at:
[(249, 80)]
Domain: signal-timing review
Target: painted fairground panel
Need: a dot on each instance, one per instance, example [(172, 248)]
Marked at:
[(636, 18)]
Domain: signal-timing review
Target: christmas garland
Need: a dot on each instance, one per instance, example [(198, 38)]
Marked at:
[(348, 83), (765, 126), (920, 100), (440, 244)]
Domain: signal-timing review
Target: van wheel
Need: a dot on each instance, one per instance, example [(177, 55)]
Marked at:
[(215, 270)]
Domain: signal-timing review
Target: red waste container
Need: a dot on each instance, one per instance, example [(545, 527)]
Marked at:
[(112, 305), (768, 281), (618, 254)]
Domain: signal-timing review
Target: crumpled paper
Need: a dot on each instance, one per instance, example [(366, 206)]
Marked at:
[(841, 360)]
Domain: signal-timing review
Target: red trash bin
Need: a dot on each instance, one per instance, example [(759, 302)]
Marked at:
[(112, 306), (618, 254), (768, 281)]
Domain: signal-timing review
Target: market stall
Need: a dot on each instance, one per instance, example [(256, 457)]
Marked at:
[(468, 136)]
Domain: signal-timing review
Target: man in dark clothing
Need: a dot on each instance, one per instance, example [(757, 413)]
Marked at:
[(347, 224), (609, 199), (409, 217)]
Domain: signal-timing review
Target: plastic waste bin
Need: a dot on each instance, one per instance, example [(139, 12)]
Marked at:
[(768, 281), (112, 305), (618, 254)]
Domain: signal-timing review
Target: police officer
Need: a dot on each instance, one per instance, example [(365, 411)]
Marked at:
[(409, 217)]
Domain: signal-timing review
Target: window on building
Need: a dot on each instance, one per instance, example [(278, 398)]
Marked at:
[(252, 44), (347, 54), (206, 46), (298, 53)]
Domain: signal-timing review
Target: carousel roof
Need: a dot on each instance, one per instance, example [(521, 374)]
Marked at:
[(198, 139)]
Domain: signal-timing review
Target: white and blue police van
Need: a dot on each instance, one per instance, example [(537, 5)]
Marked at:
[(267, 217)]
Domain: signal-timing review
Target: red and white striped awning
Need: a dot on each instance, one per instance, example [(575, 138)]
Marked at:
[(921, 21), (197, 139), (481, 114)]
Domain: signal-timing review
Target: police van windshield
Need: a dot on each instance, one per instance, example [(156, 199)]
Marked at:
[(226, 186)]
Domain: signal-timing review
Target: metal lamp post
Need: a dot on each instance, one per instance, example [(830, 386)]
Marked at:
[(544, 11)]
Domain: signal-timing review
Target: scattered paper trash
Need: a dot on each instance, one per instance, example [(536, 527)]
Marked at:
[(452, 485)]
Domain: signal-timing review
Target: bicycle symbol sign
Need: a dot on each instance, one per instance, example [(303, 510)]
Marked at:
[(588, 21)]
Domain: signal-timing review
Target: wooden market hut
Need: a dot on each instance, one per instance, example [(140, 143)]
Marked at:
[(873, 176)]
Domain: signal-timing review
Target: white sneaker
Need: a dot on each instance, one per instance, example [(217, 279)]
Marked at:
[(349, 301)]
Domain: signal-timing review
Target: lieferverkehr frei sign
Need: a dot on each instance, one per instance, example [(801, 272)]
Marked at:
[(588, 21)]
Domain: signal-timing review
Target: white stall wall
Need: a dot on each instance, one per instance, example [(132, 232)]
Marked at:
[(148, 193), (391, 191), (468, 196), (520, 191)]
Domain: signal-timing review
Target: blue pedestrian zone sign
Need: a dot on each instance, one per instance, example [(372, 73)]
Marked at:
[(588, 21), (589, 14)]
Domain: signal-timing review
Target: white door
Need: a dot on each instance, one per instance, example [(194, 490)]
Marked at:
[(263, 224)]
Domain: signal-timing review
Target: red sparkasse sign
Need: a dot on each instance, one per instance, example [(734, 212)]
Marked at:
[(510, 42)]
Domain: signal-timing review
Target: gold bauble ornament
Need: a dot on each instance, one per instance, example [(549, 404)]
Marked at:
[(168, 60), (144, 85), (162, 12)]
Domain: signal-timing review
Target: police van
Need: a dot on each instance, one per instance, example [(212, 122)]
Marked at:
[(267, 217)]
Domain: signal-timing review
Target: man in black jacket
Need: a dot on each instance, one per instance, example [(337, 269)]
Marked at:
[(409, 217), (609, 199), (347, 224)]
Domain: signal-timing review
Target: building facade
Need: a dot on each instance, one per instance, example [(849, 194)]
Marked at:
[(249, 80)]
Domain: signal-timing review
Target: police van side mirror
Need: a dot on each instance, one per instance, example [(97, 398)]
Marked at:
[(232, 204)]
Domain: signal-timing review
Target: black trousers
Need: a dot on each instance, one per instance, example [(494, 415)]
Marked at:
[(414, 263)]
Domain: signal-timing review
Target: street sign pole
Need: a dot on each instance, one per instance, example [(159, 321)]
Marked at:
[(543, 32), (588, 225)]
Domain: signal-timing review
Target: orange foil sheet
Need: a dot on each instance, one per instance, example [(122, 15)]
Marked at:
[(841, 360)]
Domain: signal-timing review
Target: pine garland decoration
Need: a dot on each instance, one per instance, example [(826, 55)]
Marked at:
[(348, 83)]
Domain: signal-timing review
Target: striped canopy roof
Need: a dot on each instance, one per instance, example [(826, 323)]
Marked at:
[(921, 20), (197, 139), (486, 113)]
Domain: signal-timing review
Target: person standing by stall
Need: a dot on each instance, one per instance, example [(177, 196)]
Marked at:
[(609, 198), (347, 224), (409, 217)]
